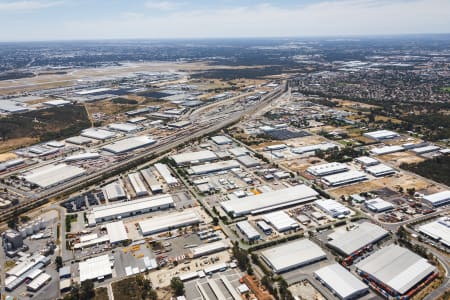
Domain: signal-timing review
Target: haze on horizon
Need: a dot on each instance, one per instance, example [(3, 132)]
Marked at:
[(31, 20)]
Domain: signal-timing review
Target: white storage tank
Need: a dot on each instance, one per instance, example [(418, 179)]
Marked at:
[(36, 227), (29, 229), (42, 224), (23, 232)]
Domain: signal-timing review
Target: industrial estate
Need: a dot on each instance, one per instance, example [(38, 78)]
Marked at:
[(217, 189)]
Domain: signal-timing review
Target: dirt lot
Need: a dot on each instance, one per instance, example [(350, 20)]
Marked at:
[(7, 156), (300, 165), (399, 158), (304, 290), (16, 143)]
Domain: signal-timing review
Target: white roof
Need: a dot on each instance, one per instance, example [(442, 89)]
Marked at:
[(138, 184), (167, 221), (381, 134), (343, 178), (351, 241), (164, 171), (215, 167), (116, 232), (39, 281), (56, 102), (269, 200), (82, 156), (98, 134), (92, 91), (396, 267), (51, 175), (248, 161), (209, 248), (329, 168), (280, 220), (127, 207), (79, 140), (95, 267), (188, 157), (221, 140), (332, 207), (114, 191), (238, 151), (292, 255), (367, 160), (439, 230), (438, 197), (341, 281), (380, 169), (129, 144), (425, 149), (386, 150), (378, 204), (125, 127), (312, 148), (249, 231)]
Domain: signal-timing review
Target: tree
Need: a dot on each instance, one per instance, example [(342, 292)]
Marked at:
[(177, 286), (58, 262), (87, 290)]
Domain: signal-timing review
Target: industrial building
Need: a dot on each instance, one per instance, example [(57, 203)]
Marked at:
[(79, 140), (137, 184), (438, 199), (51, 175), (344, 178), (221, 140), (292, 255), (380, 170), (129, 208), (327, 169), (209, 248), (169, 222), (164, 171), (332, 208), (116, 232), (96, 268), (313, 148), (238, 151), (341, 282), (351, 241), (425, 149), (56, 103), (378, 205), (367, 161), (215, 167), (386, 150), (37, 283), (281, 221), (397, 269), (438, 230), (194, 157), (123, 127), (98, 134), (82, 156), (248, 161), (114, 191), (152, 182), (381, 135), (270, 200), (129, 144), (248, 230)]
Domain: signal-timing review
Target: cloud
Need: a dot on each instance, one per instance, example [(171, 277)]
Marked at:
[(27, 5), (162, 5)]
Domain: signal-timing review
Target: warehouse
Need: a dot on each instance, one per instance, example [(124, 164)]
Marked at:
[(341, 282), (129, 144), (395, 267), (116, 232), (380, 170), (438, 199), (51, 175), (215, 167), (238, 151), (281, 221), (221, 140), (292, 255), (332, 208), (164, 171), (367, 161), (327, 169), (275, 147), (248, 161), (209, 248), (169, 222), (114, 191), (39, 282), (98, 134), (438, 230), (269, 200), (123, 127), (313, 148), (248, 230), (386, 150), (79, 140), (152, 182), (82, 156), (180, 124), (136, 120), (56, 103), (96, 268), (129, 208), (194, 157), (344, 178), (381, 135), (13, 107), (425, 149), (351, 241), (137, 184), (378, 205)]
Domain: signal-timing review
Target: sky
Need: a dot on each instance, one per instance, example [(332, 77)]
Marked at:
[(36, 20)]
